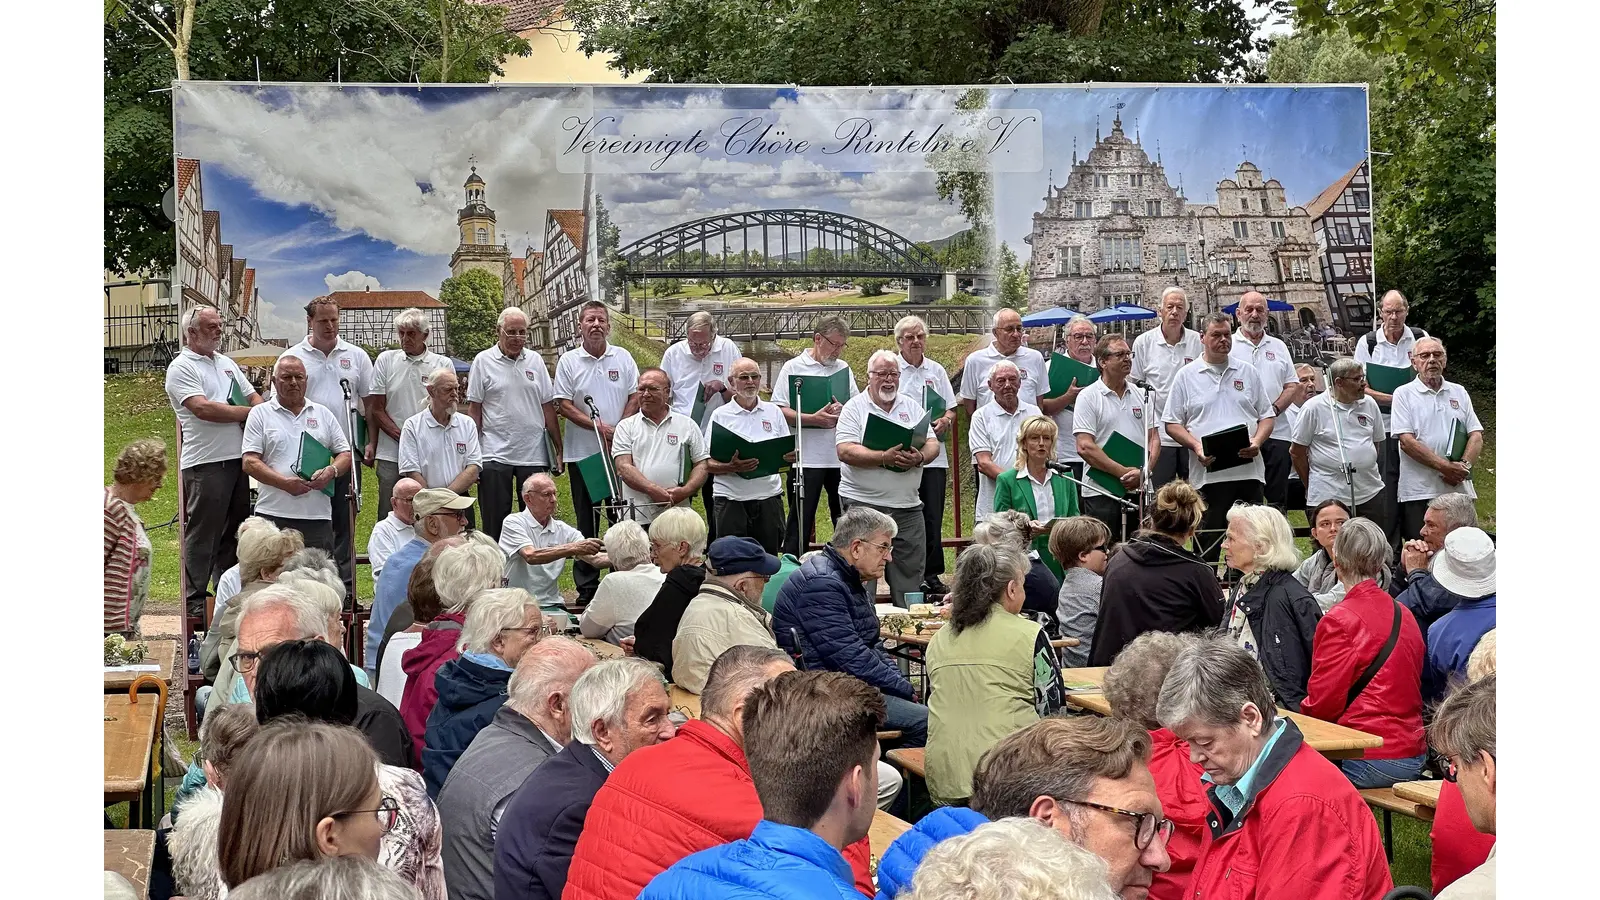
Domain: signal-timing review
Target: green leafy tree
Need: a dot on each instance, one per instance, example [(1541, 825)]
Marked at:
[(871, 287), (473, 301), (607, 239), (1013, 280), (1439, 39)]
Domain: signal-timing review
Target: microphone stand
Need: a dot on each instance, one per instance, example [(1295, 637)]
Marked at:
[(1344, 463), (799, 471), (611, 509), (1127, 505), (1147, 489), (353, 498)]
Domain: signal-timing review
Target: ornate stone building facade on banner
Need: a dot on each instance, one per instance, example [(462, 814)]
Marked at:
[(1117, 231)]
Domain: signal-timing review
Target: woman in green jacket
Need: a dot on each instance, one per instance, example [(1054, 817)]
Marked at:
[(990, 671), (1033, 489)]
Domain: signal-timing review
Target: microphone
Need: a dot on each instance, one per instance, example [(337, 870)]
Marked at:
[(588, 400), (1060, 467), (1141, 385), (345, 384)]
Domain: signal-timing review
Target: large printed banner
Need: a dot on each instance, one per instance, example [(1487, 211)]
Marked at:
[(1075, 196)]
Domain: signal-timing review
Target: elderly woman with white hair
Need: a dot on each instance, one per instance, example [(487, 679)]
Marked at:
[(1042, 589), (678, 548), (501, 625), (1282, 820), (1270, 614), (1366, 668), (630, 588), (1018, 858)]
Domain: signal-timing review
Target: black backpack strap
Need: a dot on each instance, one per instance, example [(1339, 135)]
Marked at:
[(1377, 661)]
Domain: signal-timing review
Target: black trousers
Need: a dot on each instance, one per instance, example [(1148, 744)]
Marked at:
[(1173, 463), (1214, 522), (500, 492), (1389, 469), (317, 532), (1275, 456), (815, 481), (708, 501), (344, 534), (760, 520), (1297, 494), (1411, 513), (586, 511), (216, 499), (1109, 511), (931, 492)]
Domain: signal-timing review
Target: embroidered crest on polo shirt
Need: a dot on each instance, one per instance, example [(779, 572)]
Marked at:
[(613, 374), (716, 368), (905, 416), (1238, 384), (344, 362), (311, 422), (461, 448), (1454, 403), (1188, 359), (529, 373), (766, 426), (1362, 418), (672, 440), (1138, 412), (1271, 355)]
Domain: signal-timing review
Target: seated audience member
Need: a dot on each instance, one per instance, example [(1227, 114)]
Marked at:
[(1032, 489), (683, 795), (629, 588), (333, 878), (825, 607), (262, 552), (1270, 614), (1349, 640), (1459, 847), (140, 469), (193, 841), (300, 790), (538, 545), (406, 625), (1154, 583), (1041, 588), (460, 575), (1465, 568), (1082, 546), (990, 671), (439, 513), (1132, 687), (1009, 859), (618, 706), (395, 529), (308, 679), (812, 745), (119, 888), (532, 726), (501, 625), (318, 579), (1414, 584), (678, 548), (1317, 572), (1463, 732), (1085, 776), (229, 582), (727, 611), (1283, 821)]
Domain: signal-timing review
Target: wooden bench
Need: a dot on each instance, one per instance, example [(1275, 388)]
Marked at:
[(1386, 801), (912, 759)]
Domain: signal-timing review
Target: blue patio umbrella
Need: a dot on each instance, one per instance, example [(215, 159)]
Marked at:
[(1272, 306), (1121, 313), (1055, 315), (461, 365)]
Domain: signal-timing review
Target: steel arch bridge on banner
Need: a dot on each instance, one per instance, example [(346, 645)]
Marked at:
[(855, 247)]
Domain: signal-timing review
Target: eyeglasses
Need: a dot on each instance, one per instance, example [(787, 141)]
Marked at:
[(515, 332), (539, 630), (651, 389), (837, 345), (886, 548), (1146, 825), (1102, 548), (1452, 771), (452, 513), (747, 376), (388, 812), (1118, 354), (244, 661)]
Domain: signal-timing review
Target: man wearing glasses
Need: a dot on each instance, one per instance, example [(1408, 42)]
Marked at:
[(747, 506), (1428, 411), (660, 453), (510, 397), (1081, 338), (816, 441), (273, 432), (398, 393), (437, 513), (1336, 440), (1007, 347), (1269, 355), (920, 376), (1110, 407), (539, 545), (701, 369), (1158, 354)]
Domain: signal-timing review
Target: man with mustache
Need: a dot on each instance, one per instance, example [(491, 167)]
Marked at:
[(747, 506)]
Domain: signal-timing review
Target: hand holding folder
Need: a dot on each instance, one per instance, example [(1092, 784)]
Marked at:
[(1385, 379), (1123, 452), (882, 434), (817, 391), (770, 453), (314, 457), (1065, 372), (1223, 447)]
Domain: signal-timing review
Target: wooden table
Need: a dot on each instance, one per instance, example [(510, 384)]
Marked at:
[(684, 700), (131, 733), (1331, 740), (603, 649), (162, 654), (1425, 793), (885, 828), (130, 854), (922, 640)]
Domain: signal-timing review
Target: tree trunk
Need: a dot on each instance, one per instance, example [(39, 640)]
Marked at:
[(1083, 16), (444, 41), (180, 47)]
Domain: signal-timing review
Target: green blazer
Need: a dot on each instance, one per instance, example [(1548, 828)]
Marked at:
[(1013, 490)]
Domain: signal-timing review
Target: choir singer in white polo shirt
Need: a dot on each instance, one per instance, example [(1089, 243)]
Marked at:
[(866, 479), (649, 449), (1113, 406), (1158, 354), (1270, 357), (439, 446), (510, 396), (918, 376), (752, 507), (992, 434), (272, 441), (819, 461), (1336, 442), (1426, 412), (399, 392), (701, 366)]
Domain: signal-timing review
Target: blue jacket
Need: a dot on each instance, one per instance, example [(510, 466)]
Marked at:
[(825, 602), (776, 862), (1427, 599), (390, 592), (1451, 640), (469, 696), (539, 830), (900, 861)]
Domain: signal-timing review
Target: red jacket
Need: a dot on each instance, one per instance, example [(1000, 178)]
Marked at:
[(665, 802), (1183, 800), (421, 663), (1458, 848), (1304, 834), (1347, 641)]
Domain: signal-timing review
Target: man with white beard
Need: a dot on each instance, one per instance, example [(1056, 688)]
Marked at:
[(1252, 346)]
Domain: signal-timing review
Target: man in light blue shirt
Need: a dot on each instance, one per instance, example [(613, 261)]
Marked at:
[(438, 513)]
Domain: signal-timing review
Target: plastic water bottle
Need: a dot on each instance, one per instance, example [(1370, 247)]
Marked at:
[(194, 655)]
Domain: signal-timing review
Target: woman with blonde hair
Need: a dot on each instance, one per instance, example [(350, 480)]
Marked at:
[(1154, 583), (628, 590), (678, 548), (263, 552), (140, 469), (1032, 488), (1270, 614)]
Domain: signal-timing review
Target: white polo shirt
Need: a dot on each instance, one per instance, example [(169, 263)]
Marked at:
[(611, 378), (1285, 426), (995, 430), (818, 446), (1207, 399), (521, 530), (689, 374), (274, 433), (914, 380), (1066, 441), (1156, 363), (398, 378), (657, 451), (1359, 430), (1272, 362), (1100, 412), (513, 393), (1429, 415), (347, 362), (975, 372), (877, 485), (192, 375), (439, 452), (1387, 353), (762, 422), (387, 536)]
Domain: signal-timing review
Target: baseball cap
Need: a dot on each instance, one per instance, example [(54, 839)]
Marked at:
[(429, 501), (737, 555)]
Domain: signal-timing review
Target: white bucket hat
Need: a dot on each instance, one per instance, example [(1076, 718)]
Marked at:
[(1465, 566)]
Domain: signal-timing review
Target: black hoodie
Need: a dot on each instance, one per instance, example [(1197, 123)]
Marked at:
[(1153, 584), (658, 624)]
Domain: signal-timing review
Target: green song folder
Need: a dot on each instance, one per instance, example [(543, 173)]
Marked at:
[(1384, 379), (237, 396), (1122, 451), (882, 434), (817, 391), (1458, 441), (314, 457), (1064, 370), (770, 453), (697, 412), (933, 402), (592, 469)]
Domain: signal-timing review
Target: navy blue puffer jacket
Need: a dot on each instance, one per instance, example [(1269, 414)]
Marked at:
[(469, 696), (825, 603)]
